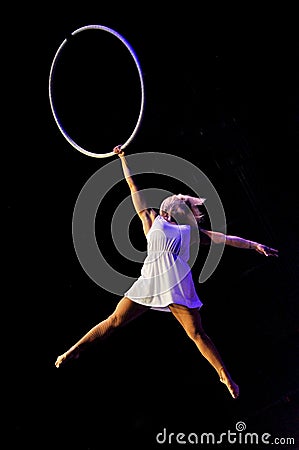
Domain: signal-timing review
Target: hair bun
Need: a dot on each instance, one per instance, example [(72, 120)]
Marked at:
[(194, 201)]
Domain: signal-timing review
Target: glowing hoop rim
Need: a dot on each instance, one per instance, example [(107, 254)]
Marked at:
[(53, 65)]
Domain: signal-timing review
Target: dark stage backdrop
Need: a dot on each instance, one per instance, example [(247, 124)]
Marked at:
[(221, 91)]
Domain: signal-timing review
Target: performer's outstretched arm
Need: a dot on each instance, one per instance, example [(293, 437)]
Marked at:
[(239, 242)]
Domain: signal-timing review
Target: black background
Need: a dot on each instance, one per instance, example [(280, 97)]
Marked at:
[(221, 91)]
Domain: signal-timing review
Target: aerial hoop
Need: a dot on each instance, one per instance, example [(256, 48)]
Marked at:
[(64, 133)]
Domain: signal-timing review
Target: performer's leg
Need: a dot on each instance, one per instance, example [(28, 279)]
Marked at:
[(191, 321), (125, 311)]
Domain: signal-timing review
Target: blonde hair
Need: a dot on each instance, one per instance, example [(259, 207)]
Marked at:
[(171, 204)]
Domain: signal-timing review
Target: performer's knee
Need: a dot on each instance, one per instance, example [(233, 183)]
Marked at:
[(114, 320), (195, 334)]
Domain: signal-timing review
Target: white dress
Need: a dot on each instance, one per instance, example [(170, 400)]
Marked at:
[(166, 276)]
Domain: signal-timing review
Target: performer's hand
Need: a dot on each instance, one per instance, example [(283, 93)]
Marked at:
[(267, 251), (118, 150)]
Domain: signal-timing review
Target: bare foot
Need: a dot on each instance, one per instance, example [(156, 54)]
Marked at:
[(73, 353), (230, 384)]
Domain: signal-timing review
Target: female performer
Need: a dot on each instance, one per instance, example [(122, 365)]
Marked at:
[(166, 280)]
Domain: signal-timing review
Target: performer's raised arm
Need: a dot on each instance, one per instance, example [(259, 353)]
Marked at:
[(147, 215)]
